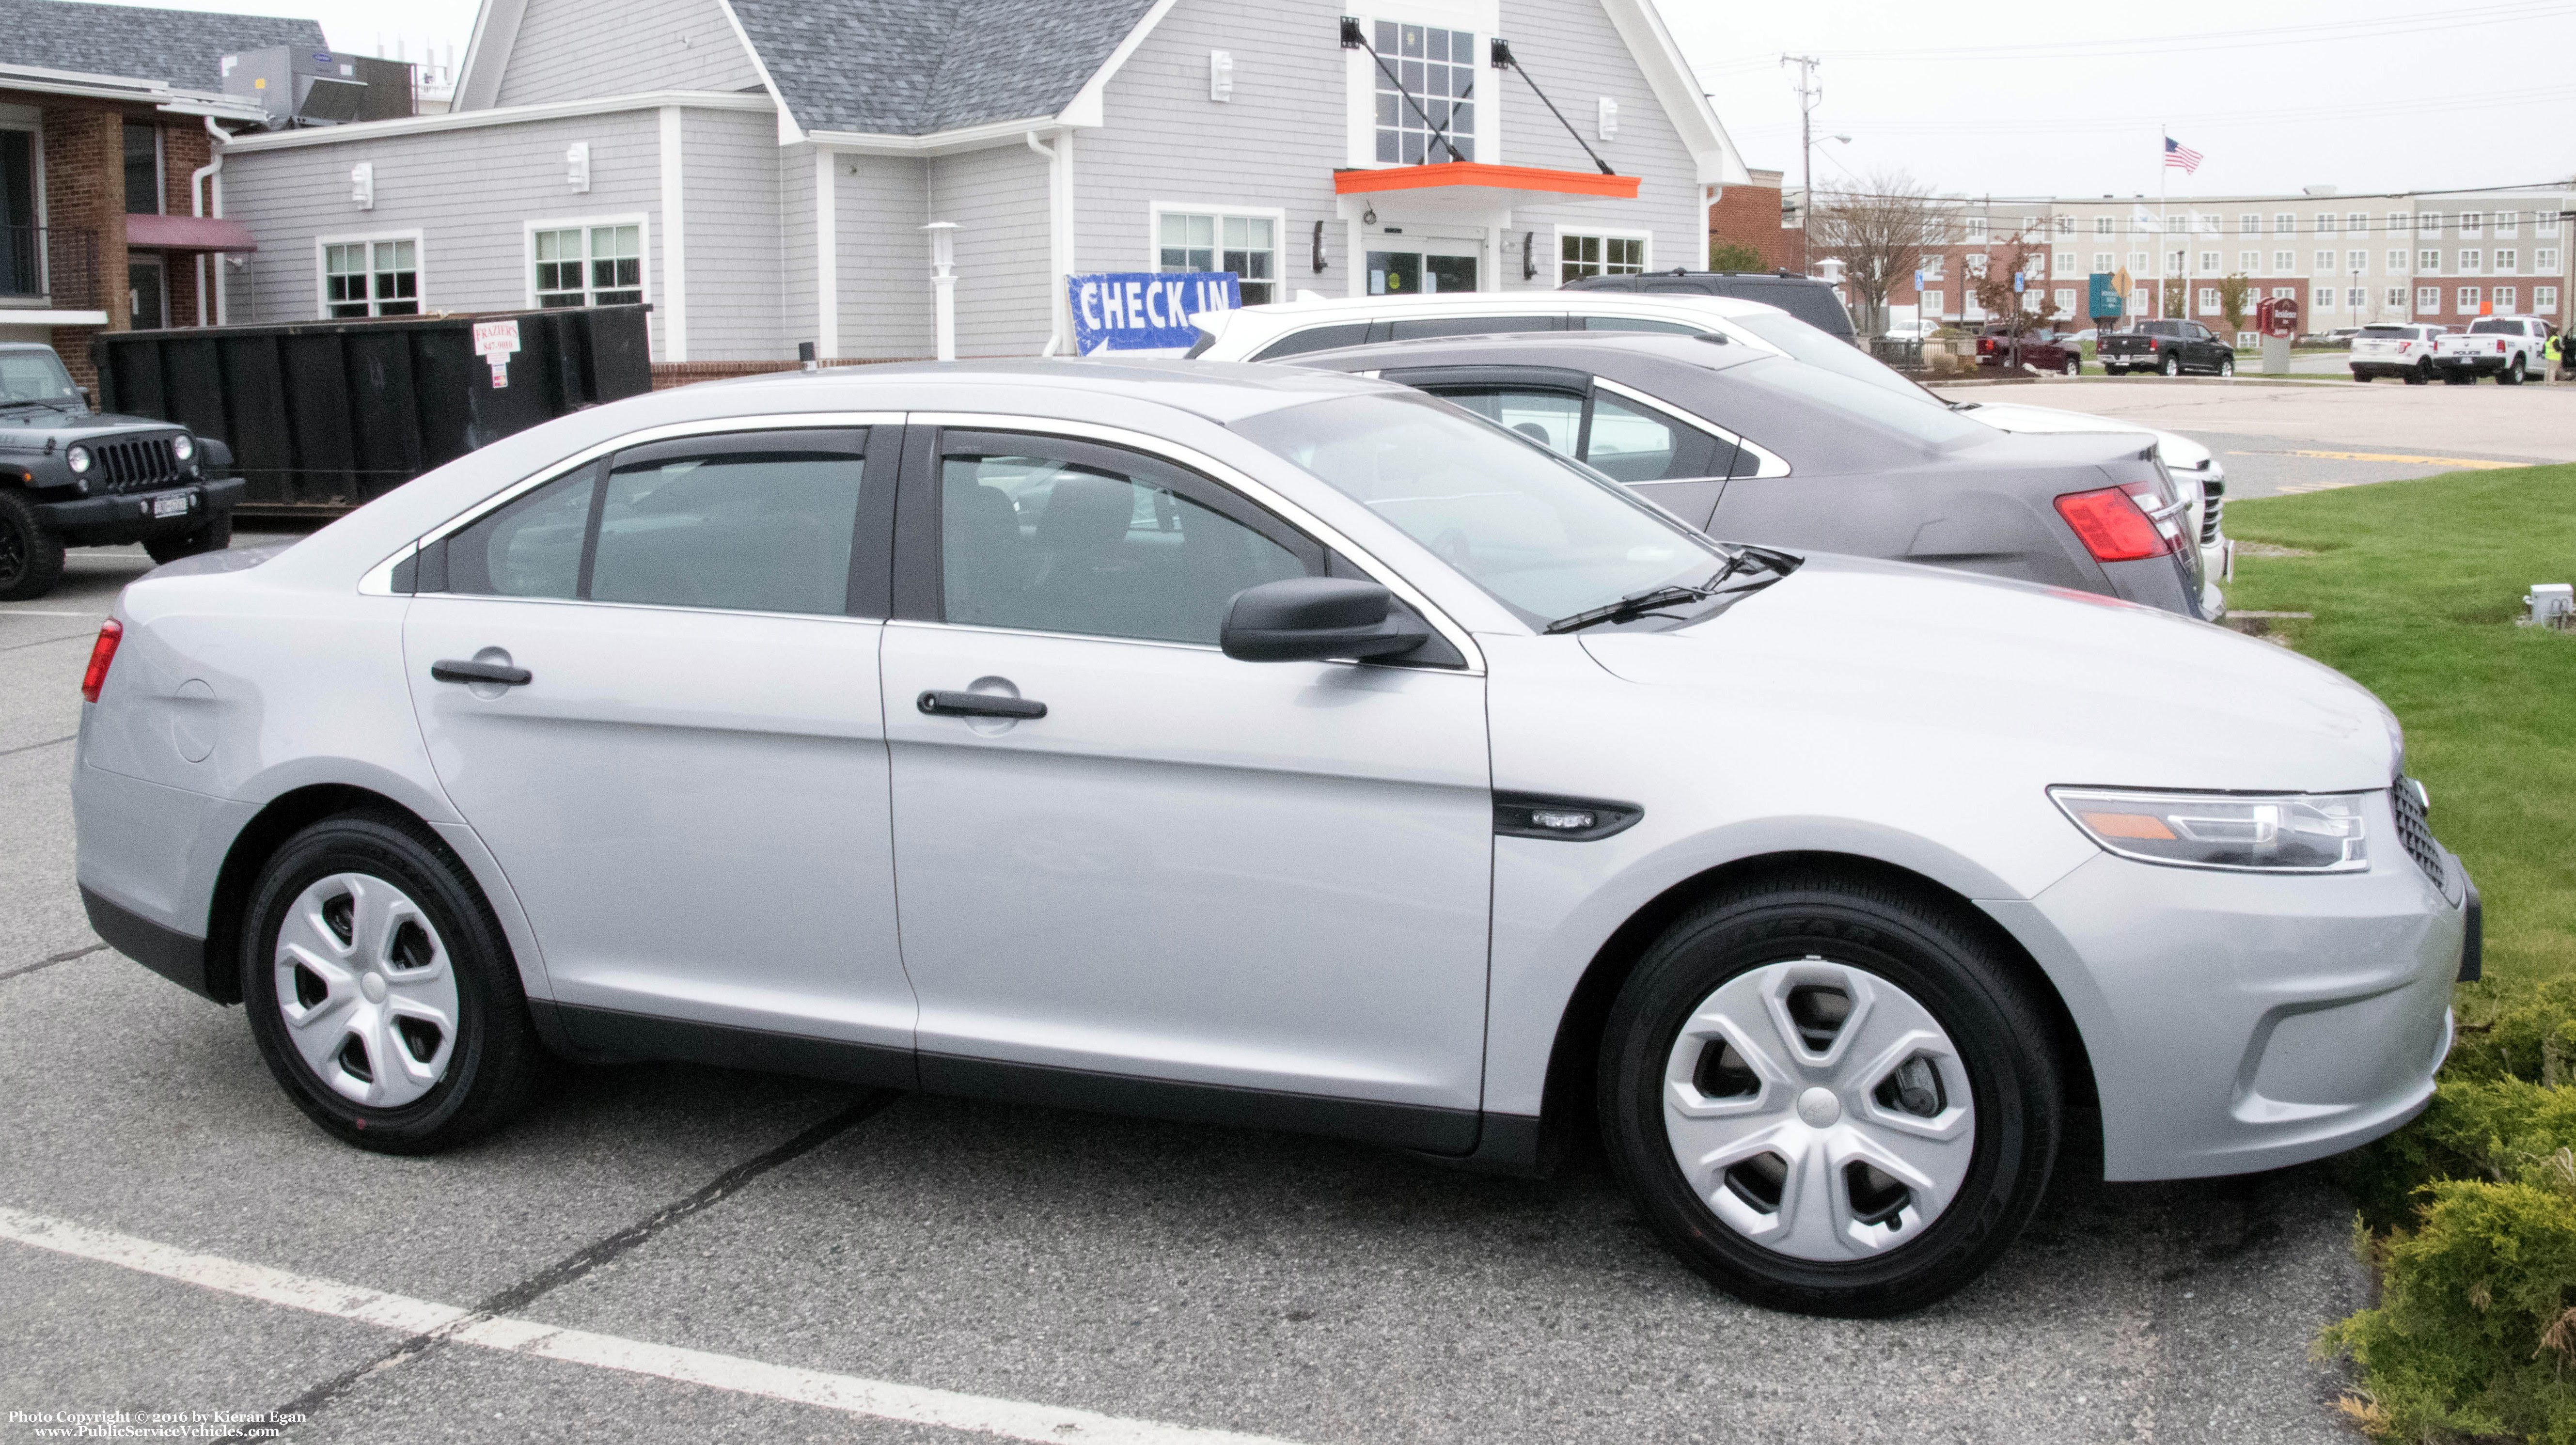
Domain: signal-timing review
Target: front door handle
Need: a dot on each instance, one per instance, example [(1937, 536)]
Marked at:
[(453, 670), (979, 704)]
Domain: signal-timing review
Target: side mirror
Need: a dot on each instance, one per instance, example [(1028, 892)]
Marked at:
[(1309, 619)]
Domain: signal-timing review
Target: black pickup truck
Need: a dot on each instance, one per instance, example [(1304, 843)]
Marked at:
[(2168, 347), (73, 477)]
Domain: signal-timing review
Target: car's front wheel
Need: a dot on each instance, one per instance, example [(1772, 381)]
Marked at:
[(1828, 1096), (2074, 366), (381, 990), (2227, 366), (214, 536), (31, 557), (2419, 374)]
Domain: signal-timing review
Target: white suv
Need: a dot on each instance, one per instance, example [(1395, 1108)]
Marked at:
[(2507, 348), (2401, 349)]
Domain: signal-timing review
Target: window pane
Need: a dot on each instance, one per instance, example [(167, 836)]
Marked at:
[(1630, 323), (759, 530), (1553, 419), (1094, 542), (1628, 445), (1174, 230), (530, 548)]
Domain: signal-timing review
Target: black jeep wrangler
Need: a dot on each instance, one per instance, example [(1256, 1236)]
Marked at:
[(72, 477)]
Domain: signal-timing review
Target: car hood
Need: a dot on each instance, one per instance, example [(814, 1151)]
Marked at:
[(2181, 453), (2077, 687), (33, 426)]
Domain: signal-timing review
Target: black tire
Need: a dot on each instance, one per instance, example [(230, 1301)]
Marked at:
[(2512, 375), (2419, 374), (2227, 366), (2172, 366), (31, 556), (214, 536), (2361, 376), (2074, 366), (2000, 1034), (495, 1063)]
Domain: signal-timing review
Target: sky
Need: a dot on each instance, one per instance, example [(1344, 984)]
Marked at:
[(2045, 99)]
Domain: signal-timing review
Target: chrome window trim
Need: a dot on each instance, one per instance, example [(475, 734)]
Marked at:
[(1258, 493), (1771, 463), (379, 579)]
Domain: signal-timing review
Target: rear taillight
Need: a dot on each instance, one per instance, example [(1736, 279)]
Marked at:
[(101, 653), (2499, 348), (2119, 524)]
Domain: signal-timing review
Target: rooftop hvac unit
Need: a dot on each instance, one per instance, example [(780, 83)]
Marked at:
[(319, 87)]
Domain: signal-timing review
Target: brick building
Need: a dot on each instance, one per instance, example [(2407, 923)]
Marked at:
[(2351, 260), (104, 112), (1750, 216)]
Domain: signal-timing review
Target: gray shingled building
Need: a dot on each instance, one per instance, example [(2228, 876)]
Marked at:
[(760, 171)]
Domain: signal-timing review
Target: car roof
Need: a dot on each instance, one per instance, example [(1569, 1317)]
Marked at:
[(1581, 350), (1221, 391), (1497, 303)]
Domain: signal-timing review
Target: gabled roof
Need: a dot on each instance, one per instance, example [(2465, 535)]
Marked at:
[(918, 67), (185, 48)]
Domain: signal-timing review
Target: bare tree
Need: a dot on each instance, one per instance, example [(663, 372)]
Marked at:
[(2018, 312), (1879, 230)]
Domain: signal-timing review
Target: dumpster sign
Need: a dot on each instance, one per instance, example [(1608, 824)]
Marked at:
[(1145, 310), (496, 342)]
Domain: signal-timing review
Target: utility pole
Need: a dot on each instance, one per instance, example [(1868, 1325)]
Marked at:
[(1808, 94)]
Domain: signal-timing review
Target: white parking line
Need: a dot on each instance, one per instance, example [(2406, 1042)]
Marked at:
[(849, 1394)]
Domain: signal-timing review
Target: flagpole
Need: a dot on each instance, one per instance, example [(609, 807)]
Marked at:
[(2164, 243)]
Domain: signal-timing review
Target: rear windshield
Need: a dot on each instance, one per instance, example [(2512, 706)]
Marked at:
[(1817, 349), (2404, 332), (1898, 411), (2492, 327), (1815, 305)]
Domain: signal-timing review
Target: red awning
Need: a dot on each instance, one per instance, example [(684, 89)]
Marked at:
[(1498, 184), (186, 233)]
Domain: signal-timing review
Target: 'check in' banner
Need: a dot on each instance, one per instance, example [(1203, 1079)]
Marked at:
[(1145, 310)]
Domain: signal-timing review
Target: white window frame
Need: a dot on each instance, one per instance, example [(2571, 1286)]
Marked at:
[(2504, 298), (2544, 300), (2472, 262), (2106, 262), (2357, 223), (1933, 299), (1482, 19), (2545, 223), (2544, 260), (2429, 262), (2473, 223), (2065, 299), (2326, 223), (2468, 299), (2324, 299), (641, 220), (2208, 299), (2250, 262), (2284, 223), (2326, 262), (2508, 261), (1556, 246), (419, 263), (2396, 298), (2103, 226), (2209, 263), (1277, 217), (2428, 300), (2397, 263), (2285, 263), (2249, 223), (2507, 223)]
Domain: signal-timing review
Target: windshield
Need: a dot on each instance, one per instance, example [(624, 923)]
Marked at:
[(1546, 537), (2495, 328), (35, 376), (1819, 349)]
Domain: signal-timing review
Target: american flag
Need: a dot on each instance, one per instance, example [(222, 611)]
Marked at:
[(2178, 154)]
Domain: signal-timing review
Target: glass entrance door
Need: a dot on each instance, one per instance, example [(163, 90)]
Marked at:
[(1403, 273), (148, 290)]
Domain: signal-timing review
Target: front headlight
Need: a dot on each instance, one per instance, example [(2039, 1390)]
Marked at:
[(2269, 832), (77, 459), (183, 446)]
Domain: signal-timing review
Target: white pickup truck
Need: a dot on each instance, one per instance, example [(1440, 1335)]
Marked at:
[(2507, 348)]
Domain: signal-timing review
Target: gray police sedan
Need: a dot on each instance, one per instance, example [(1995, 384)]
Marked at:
[(1757, 447)]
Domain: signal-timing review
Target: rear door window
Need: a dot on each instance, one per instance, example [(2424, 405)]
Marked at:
[(1621, 439), (1316, 338)]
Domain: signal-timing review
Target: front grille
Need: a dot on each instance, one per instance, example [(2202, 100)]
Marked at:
[(2209, 516), (2412, 829), (133, 466)]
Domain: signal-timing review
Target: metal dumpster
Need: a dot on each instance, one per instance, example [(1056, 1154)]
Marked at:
[(323, 416)]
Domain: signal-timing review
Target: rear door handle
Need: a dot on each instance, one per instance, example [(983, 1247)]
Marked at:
[(979, 704), (453, 670)]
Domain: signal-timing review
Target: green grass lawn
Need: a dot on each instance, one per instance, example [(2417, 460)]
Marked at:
[(2471, 1210), (2415, 586)]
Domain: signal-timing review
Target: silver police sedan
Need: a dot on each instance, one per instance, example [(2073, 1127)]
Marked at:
[(1278, 748)]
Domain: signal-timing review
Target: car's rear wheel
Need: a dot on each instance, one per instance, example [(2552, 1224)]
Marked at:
[(1830, 1097), (2513, 374), (381, 991), (31, 557), (214, 536), (2172, 366)]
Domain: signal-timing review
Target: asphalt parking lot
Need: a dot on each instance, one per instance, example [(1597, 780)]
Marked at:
[(2277, 439), (687, 1254)]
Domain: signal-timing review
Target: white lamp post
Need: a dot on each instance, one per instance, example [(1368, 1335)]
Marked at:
[(943, 285)]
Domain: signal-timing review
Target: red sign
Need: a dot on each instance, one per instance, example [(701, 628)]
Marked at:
[(2277, 316)]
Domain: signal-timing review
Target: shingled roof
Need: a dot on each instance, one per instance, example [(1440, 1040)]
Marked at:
[(183, 47), (914, 67)]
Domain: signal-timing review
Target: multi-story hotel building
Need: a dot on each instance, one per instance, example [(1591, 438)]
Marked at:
[(2438, 256)]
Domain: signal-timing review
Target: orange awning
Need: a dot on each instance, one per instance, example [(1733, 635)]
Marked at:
[(1473, 181)]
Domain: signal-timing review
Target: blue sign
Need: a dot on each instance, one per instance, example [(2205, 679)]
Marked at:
[(2104, 301), (2018, 281), (1145, 310)]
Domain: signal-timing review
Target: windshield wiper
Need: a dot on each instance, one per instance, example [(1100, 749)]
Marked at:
[(1653, 599), (57, 404)]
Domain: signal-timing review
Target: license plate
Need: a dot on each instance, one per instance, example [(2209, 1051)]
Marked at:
[(170, 506)]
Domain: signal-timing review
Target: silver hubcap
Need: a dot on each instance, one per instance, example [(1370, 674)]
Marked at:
[(1819, 1110), (366, 990)]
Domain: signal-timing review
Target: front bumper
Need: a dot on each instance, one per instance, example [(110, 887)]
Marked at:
[(134, 509), (2238, 1021)]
